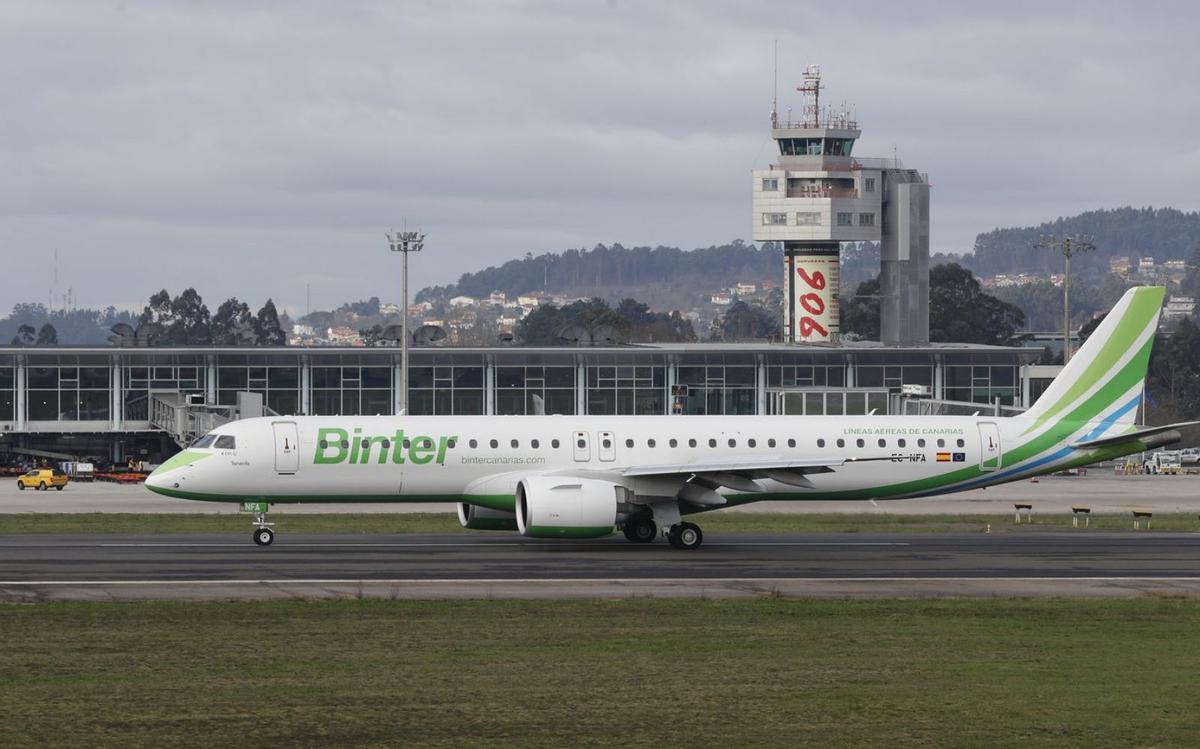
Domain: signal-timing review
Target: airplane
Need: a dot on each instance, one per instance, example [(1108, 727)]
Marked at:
[(561, 476)]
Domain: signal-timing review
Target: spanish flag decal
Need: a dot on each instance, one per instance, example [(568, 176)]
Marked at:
[(943, 457)]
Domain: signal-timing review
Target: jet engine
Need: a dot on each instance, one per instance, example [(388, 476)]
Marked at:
[(485, 519), (566, 507)]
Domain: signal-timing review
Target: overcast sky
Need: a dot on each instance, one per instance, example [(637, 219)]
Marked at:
[(251, 148)]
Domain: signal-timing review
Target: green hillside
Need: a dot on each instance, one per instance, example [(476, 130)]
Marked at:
[(1161, 233)]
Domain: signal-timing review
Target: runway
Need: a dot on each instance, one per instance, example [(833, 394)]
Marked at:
[(36, 567)]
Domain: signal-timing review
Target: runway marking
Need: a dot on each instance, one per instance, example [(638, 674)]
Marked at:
[(476, 544), (576, 580)]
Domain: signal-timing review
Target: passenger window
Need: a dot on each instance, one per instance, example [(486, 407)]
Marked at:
[(534, 444), (691, 443), (407, 443), (901, 443), (345, 444), (960, 443), (820, 443), (733, 443), (606, 442), (712, 443), (554, 444), (451, 443), (751, 442), (883, 443), (494, 444), (841, 442), (650, 443), (323, 444), (673, 442), (628, 443), (474, 444), (860, 442), (771, 442), (581, 443), (791, 443), (386, 443), (921, 442), (514, 444), (941, 442)]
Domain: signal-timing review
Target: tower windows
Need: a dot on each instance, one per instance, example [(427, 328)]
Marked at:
[(807, 218), (845, 219), (866, 219), (776, 219), (770, 184)]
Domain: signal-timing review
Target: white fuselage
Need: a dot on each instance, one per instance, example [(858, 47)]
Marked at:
[(453, 458)]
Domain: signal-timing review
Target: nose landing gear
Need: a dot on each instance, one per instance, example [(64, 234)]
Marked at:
[(263, 535)]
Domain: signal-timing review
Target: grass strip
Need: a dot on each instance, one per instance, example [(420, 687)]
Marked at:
[(652, 673), (715, 522)]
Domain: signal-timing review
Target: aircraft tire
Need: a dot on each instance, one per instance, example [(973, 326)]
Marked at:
[(263, 536), (640, 530), (686, 536)]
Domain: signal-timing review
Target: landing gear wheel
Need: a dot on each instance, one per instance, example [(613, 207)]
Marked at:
[(685, 536), (640, 530), (263, 536)]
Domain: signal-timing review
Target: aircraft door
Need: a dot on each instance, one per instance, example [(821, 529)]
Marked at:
[(989, 446), (607, 447), (287, 448), (582, 447)]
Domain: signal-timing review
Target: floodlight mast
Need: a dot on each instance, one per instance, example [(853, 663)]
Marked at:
[(404, 242), (1068, 246)]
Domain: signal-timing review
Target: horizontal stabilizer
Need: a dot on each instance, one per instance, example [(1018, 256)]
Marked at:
[(1150, 436)]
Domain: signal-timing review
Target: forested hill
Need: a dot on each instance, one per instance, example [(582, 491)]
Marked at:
[(1161, 233), (615, 271)]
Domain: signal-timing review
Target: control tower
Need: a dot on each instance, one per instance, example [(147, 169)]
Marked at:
[(819, 195)]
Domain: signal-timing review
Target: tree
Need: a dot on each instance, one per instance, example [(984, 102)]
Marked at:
[(47, 336), (860, 313), (267, 328), (960, 311), (742, 321), (233, 324), (26, 334), (189, 320)]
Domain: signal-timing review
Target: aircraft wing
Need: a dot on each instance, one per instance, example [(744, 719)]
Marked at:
[(702, 478), (1151, 436)]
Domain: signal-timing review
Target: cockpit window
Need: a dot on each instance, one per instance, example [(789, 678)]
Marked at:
[(226, 442), (205, 441)]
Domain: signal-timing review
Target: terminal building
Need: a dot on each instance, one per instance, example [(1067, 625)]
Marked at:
[(113, 403)]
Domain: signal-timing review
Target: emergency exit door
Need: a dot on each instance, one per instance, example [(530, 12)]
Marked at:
[(287, 448), (989, 446)]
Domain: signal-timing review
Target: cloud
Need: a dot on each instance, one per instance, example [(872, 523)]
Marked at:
[(252, 149)]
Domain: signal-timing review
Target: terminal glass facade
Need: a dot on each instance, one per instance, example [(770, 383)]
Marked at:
[(67, 393), (8, 400), (99, 389), (449, 384)]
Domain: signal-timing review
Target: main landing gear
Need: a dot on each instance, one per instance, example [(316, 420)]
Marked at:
[(641, 529), (263, 535), (685, 536)]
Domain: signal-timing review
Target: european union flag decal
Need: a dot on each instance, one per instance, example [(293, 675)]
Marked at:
[(960, 457)]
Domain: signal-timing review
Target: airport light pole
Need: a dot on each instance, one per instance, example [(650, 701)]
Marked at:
[(404, 242), (1069, 246)]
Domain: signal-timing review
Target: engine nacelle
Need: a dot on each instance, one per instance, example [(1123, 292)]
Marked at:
[(566, 507), (485, 519)]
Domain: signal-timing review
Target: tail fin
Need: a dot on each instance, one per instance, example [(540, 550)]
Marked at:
[(1104, 379)]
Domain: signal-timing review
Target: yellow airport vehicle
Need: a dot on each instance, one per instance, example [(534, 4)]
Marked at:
[(42, 479)]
